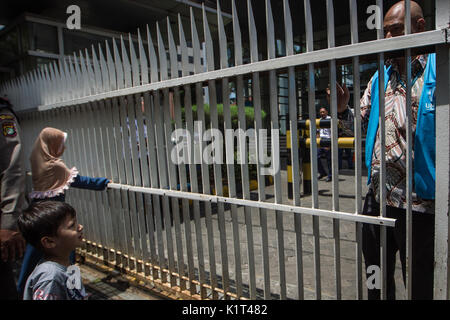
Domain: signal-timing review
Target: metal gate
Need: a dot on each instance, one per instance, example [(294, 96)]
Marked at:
[(206, 229)]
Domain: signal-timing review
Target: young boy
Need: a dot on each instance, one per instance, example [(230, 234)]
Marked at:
[(52, 227)]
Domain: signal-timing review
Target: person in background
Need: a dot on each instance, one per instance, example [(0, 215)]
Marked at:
[(324, 152), (51, 178), (12, 198)]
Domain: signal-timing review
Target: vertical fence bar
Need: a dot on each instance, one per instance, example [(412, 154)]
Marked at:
[(174, 213), (293, 119), (86, 201), (128, 200), (275, 127), (186, 157), (147, 226), (194, 188), (145, 181), (121, 195), (150, 118), (441, 251), (164, 183), (244, 168), (193, 167), (129, 140), (170, 116), (163, 142), (204, 167), (138, 203), (358, 153), (150, 109), (73, 146), (93, 169), (313, 149), (409, 143), (110, 171), (81, 165), (334, 150), (95, 145), (176, 103), (382, 179), (230, 168), (146, 163), (219, 158), (114, 195), (137, 200)]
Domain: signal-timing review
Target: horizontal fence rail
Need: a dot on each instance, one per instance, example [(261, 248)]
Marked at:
[(198, 201)]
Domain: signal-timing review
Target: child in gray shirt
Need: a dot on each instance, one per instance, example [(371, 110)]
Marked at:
[(52, 227), (49, 281)]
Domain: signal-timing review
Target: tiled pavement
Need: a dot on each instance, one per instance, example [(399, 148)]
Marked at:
[(112, 286)]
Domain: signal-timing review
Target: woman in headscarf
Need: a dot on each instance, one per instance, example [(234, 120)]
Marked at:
[(51, 178)]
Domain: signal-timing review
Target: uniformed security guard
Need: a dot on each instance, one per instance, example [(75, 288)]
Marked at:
[(12, 198)]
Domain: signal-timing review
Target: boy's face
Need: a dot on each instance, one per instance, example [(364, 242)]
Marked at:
[(69, 235)]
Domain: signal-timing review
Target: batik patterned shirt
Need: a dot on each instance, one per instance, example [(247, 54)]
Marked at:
[(395, 135)]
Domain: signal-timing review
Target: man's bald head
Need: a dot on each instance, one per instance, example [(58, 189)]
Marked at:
[(394, 20)]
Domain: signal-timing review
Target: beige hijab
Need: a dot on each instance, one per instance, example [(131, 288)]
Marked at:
[(50, 175)]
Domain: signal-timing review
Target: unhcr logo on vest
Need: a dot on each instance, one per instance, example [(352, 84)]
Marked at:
[(429, 106)]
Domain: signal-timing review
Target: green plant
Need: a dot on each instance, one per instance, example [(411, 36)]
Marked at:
[(249, 115)]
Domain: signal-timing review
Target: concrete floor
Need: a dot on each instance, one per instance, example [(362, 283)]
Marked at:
[(102, 285)]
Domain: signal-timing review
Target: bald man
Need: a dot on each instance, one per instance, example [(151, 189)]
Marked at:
[(423, 73)]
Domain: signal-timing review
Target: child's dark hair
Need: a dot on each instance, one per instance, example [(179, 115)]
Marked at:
[(42, 219)]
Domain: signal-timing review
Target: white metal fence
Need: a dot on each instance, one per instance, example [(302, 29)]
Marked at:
[(196, 228)]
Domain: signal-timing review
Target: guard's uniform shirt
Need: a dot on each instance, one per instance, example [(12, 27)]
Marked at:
[(12, 177)]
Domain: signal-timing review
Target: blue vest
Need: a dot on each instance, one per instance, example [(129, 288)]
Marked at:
[(425, 137)]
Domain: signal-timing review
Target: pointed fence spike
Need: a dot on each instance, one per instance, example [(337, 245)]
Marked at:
[(252, 34), (330, 24), (270, 31), (208, 41), (162, 55), (288, 28), (33, 90), (59, 83), (51, 83), (152, 58), (222, 39), (62, 76), (97, 72), (73, 78), (172, 52), (126, 64), (104, 70), (84, 76), (183, 48), (142, 60), (111, 68), (79, 80), (118, 66), (37, 86), (134, 63), (237, 38), (309, 27), (67, 79), (92, 85), (54, 82), (195, 44)]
